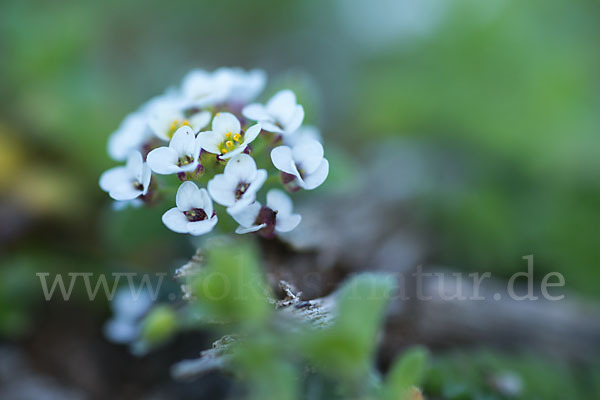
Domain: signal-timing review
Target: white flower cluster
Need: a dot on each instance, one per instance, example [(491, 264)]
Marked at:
[(169, 135)]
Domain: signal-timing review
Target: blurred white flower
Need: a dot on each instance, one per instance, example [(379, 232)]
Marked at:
[(127, 182), (281, 114), (276, 216), (226, 138), (194, 213), (134, 132), (166, 119), (200, 88), (128, 310), (130, 136), (304, 162), (182, 155), (243, 86), (236, 187), (302, 134), (124, 204)]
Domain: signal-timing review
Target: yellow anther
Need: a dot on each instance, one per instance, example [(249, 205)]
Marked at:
[(186, 122), (229, 144), (224, 151), (218, 114), (237, 137), (228, 135), (174, 124)]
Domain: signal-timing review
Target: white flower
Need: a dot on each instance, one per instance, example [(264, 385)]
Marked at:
[(134, 132), (226, 85), (276, 216), (194, 213), (127, 309), (236, 187), (304, 161), (201, 88), (182, 155), (243, 86), (127, 182), (281, 114), (130, 136), (165, 120), (302, 134), (226, 138)]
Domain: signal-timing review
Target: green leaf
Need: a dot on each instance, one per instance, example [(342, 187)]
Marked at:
[(159, 326), (232, 287), (346, 349), (406, 372)]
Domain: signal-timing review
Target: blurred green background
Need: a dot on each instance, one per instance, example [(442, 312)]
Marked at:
[(506, 91)]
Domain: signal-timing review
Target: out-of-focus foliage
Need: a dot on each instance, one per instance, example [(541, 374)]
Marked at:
[(407, 371), (231, 287), (269, 355), (484, 374), (346, 349), (509, 89), (17, 297), (158, 326)]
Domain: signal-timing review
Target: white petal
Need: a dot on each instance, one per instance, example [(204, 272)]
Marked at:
[(199, 120), (210, 141), (121, 205), (246, 215), (241, 168), (288, 223), (278, 201), (189, 197), (226, 122), (251, 133), (241, 230), (256, 112), (234, 152), (161, 120), (295, 120), (282, 105), (183, 141), (242, 202), (163, 160), (131, 135), (244, 86), (146, 177), (259, 180), (175, 220), (304, 133), (197, 149), (120, 330), (130, 306), (134, 165), (194, 82), (315, 179), (113, 178), (283, 160), (125, 191), (308, 156), (201, 88), (201, 227), (222, 189), (271, 127), (207, 204)]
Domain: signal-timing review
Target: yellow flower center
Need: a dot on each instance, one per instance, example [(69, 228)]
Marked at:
[(231, 142), (176, 124)]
